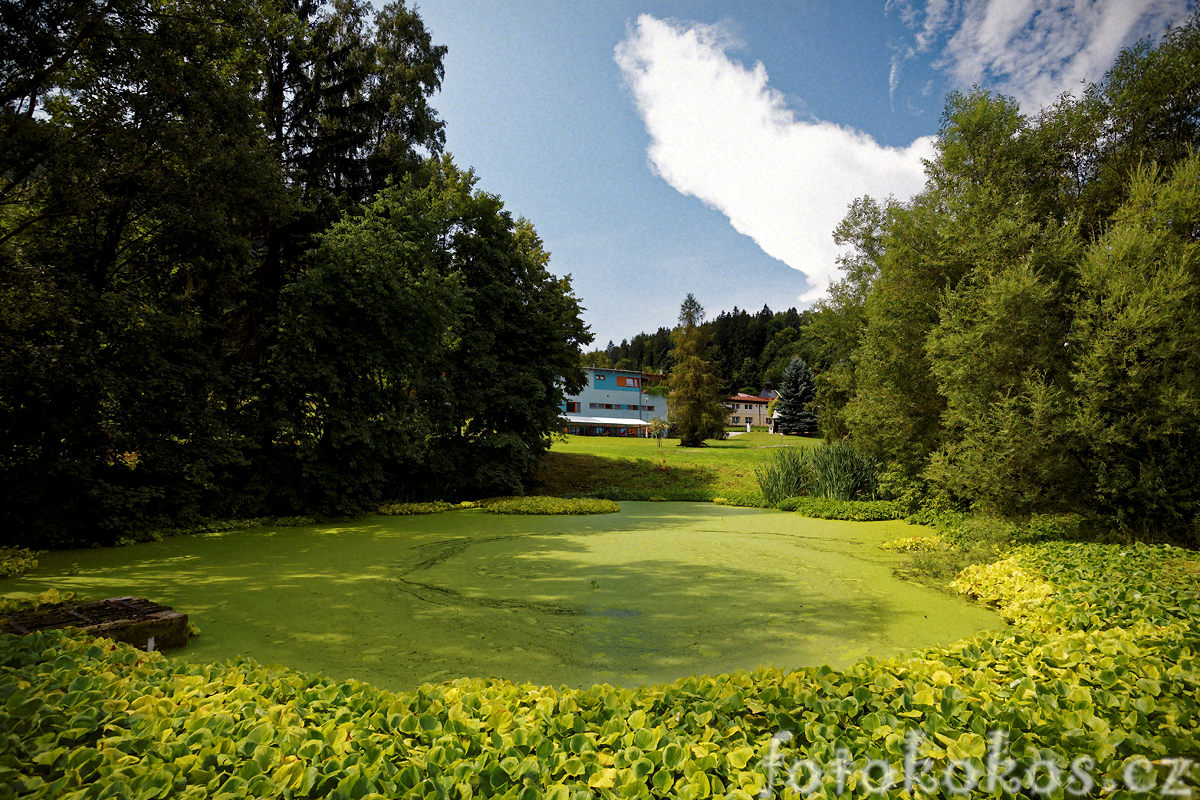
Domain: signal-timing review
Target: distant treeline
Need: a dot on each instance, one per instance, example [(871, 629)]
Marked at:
[(751, 349), (239, 277)]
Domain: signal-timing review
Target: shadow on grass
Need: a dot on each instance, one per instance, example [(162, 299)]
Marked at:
[(565, 474)]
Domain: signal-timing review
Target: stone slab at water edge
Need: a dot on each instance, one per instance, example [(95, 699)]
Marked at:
[(133, 620)]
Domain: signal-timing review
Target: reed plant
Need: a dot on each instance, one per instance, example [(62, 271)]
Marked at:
[(834, 471)]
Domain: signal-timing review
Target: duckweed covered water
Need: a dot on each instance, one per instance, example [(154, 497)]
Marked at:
[(658, 591)]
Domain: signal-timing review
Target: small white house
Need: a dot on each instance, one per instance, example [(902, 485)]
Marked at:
[(746, 409)]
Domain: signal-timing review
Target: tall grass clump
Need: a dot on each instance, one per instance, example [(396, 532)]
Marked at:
[(842, 472), (834, 471), (787, 474)]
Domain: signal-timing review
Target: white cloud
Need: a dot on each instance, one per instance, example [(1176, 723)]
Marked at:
[(938, 15), (1035, 50), (720, 133)]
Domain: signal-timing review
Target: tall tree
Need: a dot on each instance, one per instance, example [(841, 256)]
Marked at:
[(793, 408), (175, 326), (518, 348), (963, 219), (1137, 369), (367, 332), (840, 320), (132, 171), (1028, 332), (696, 408), (344, 94)]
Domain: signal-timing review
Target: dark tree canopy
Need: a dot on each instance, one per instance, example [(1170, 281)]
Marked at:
[(237, 278)]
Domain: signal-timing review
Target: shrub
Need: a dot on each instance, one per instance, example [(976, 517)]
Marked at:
[(856, 510), (936, 517), (742, 500), (1063, 527), (16, 561), (967, 540), (550, 505), (909, 544), (412, 509), (834, 470)]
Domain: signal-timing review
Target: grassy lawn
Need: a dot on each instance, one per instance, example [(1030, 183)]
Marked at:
[(640, 469)]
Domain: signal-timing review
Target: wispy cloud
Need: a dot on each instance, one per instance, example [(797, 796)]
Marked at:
[(720, 133), (1033, 50)]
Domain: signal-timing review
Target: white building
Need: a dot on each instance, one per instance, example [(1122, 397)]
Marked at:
[(746, 409), (614, 403)]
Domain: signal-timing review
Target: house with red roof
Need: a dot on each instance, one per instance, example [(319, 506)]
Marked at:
[(746, 408)]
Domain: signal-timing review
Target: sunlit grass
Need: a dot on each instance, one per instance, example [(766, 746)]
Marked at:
[(640, 468)]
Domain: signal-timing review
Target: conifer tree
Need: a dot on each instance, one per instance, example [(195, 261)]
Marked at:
[(696, 408), (792, 412)]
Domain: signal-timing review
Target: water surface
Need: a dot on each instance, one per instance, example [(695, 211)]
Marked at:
[(653, 593)]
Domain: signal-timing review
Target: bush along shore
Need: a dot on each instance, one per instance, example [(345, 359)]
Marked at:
[(1092, 691)]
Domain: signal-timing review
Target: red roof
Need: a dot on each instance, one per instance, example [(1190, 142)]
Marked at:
[(748, 398)]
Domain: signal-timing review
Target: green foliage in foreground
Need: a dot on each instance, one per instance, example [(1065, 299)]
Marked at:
[(856, 510), (16, 561), (836, 471), (550, 505), (50, 597), (1101, 661)]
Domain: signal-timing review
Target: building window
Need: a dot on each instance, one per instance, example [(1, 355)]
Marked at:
[(736, 420), (747, 406), (608, 405), (572, 408), (647, 408), (593, 405), (600, 376), (634, 382)]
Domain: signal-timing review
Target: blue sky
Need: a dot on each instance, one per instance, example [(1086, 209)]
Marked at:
[(662, 148)]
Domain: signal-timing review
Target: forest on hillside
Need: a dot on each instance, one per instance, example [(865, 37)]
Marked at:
[(751, 350)]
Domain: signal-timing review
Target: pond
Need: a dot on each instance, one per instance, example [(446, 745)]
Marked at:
[(653, 593)]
